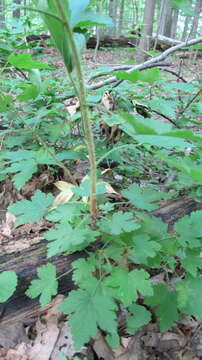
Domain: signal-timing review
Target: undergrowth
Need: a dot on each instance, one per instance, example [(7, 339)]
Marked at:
[(151, 153)]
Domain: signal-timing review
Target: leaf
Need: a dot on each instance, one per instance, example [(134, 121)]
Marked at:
[(8, 283), (65, 213), (133, 76), (24, 169), (89, 18), (192, 263), (126, 284), (46, 286), (153, 226), (166, 302), (167, 142), (5, 102), (85, 188), (143, 198), (143, 248), (31, 92), (33, 210), (190, 296), (83, 270), (189, 230), (94, 310), (65, 238), (120, 222), (140, 316), (165, 107), (24, 61)]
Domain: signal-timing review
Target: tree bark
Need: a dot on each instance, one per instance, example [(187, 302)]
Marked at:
[(16, 12), (2, 13), (195, 22), (20, 307), (175, 14), (186, 27), (146, 30), (121, 13)]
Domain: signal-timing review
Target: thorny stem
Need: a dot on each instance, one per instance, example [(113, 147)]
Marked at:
[(84, 110)]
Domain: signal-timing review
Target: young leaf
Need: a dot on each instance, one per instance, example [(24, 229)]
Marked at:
[(190, 296), (189, 230), (83, 270), (166, 302), (143, 198), (119, 222), (93, 310), (46, 286), (33, 210), (140, 316), (126, 284), (8, 283)]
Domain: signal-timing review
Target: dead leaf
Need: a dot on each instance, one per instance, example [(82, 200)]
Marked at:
[(47, 332), (65, 193), (8, 224)]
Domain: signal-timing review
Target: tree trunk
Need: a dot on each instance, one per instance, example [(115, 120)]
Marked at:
[(165, 20), (121, 13), (112, 13), (16, 12), (146, 30), (186, 27), (2, 14), (175, 14), (195, 22), (20, 307)]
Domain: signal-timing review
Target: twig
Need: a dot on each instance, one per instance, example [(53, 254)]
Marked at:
[(191, 101)]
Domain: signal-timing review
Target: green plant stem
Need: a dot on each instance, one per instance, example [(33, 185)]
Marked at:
[(84, 110)]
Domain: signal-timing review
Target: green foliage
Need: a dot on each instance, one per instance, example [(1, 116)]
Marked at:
[(166, 302), (8, 283), (94, 310), (128, 246), (31, 210), (46, 286)]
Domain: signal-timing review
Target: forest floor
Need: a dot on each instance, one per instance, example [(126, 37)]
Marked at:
[(46, 334)]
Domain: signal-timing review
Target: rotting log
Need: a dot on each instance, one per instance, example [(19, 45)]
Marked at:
[(122, 41), (20, 307)]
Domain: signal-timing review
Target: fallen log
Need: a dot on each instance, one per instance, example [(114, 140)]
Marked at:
[(20, 307), (122, 41)]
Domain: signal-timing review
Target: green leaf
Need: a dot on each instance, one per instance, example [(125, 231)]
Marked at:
[(190, 296), (164, 107), (31, 92), (5, 102), (143, 198), (118, 223), (126, 284), (8, 283), (89, 18), (83, 270), (189, 230), (144, 248), (24, 169), (94, 310), (153, 226), (192, 263), (65, 238), (166, 302), (24, 61), (33, 210), (167, 142), (46, 286), (65, 213), (140, 316), (85, 188), (133, 76)]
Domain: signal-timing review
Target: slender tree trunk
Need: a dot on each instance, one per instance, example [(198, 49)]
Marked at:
[(195, 22), (186, 27), (2, 14), (146, 30), (112, 14), (16, 12), (121, 13), (174, 23), (165, 21)]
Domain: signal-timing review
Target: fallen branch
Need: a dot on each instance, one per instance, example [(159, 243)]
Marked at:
[(146, 64)]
